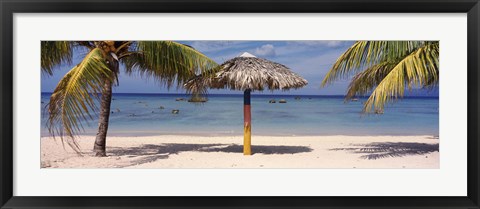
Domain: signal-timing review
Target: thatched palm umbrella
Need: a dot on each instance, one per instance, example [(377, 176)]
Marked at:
[(249, 73)]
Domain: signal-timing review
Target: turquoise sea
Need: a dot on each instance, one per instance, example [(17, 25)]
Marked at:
[(140, 115)]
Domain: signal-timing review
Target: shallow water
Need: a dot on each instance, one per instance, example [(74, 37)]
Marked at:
[(140, 114)]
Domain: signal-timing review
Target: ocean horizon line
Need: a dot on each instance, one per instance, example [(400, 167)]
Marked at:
[(254, 94)]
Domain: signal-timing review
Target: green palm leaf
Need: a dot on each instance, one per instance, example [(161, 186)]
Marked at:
[(364, 54), (365, 81), (418, 69), (166, 61), (54, 53), (73, 98)]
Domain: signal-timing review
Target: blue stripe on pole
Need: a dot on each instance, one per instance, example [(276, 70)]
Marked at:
[(246, 97)]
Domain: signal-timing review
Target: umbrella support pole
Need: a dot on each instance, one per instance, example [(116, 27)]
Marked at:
[(247, 128)]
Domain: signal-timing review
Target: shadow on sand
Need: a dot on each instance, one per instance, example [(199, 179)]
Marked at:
[(151, 152), (379, 150)]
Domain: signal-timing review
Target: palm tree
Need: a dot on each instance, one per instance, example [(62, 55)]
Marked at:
[(92, 79), (386, 69)]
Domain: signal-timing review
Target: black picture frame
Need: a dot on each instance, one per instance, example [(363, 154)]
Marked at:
[(9, 7)]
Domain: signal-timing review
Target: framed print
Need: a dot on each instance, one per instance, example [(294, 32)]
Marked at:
[(264, 104)]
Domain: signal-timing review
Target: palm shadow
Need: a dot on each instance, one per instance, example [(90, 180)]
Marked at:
[(153, 152), (378, 150), (259, 149)]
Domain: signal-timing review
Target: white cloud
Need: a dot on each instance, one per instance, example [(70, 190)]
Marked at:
[(330, 44), (210, 46), (267, 50), (334, 44)]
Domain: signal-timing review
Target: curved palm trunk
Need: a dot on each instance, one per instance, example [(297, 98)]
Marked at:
[(101, 140), (247, 128)]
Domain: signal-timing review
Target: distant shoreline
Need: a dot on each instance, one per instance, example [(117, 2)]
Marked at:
[(255, 95)]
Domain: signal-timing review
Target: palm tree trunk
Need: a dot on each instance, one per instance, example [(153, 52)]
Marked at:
[(101, 140), (247, 128)]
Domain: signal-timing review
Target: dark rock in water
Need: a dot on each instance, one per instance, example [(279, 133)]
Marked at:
[(112, 112), (161, 107), (297, 97), (309, 97), (113, 98), (282, 101), (43, 102), (272, 101), (153, 112), (179, 99), (175, 111), (198, 99)]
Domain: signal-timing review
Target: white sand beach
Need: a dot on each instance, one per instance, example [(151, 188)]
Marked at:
[(174, 151)]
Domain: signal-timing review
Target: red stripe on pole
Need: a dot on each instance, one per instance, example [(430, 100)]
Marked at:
[(247, 116)]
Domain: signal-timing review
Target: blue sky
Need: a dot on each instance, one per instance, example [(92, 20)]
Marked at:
[(309, 59)]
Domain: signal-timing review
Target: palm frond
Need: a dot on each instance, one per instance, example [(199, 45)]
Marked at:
[(420, 68), (167, 62), (73, 98), (365, 81), (364, 54), (54, 53)]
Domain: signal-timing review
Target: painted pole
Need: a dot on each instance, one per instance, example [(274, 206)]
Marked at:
[(247, 125)]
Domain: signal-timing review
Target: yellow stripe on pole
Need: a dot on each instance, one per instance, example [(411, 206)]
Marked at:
[(247, 139)]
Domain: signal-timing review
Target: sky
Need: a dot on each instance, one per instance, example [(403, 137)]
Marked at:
[(310, 59)]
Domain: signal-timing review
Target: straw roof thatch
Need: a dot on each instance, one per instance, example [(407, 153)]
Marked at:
[(249, 72)]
